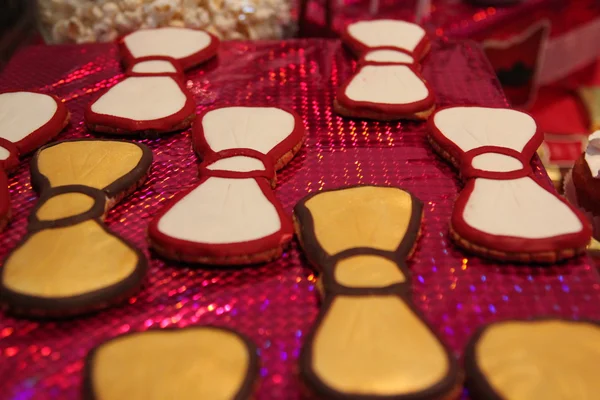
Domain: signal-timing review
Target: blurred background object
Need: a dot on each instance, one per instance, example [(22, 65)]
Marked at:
[(85, 21), (17, 26)]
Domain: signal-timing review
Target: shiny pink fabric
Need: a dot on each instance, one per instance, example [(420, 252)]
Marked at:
[(275, 304)]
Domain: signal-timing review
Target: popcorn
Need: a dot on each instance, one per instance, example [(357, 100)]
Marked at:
[(83, 21)]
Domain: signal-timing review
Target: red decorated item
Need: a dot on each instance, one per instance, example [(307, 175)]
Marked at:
[(232, 216), (503, 212), (152, 99), (387, 85), (276, 304), (28, 120)]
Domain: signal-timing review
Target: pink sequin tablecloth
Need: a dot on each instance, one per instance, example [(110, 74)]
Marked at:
[(275, 304)]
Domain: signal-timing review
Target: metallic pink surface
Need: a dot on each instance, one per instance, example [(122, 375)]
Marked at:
[(275, 304)]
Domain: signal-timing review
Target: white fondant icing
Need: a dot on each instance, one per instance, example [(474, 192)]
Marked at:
[(495, 162), (170, 42), (383, 56), (387, 33), (154, 67), (472, 127), (4, 153), (238, 164), (222, 211), (592, 154), (142, 98), (386, 84), (257, 128), (22, 113), (518, 208)]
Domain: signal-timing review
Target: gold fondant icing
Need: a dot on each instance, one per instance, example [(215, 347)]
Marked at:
[(368, 271), (64, 205), (364, 216), (550, 360), (591, 100), (68, 261), (376, 345), (594, 245), (90, 163), (190, 364)]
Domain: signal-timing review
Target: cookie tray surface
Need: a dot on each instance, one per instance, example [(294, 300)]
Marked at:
[(276, 304)]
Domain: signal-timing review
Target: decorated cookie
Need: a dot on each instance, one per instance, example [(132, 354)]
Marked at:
[(503, 211), (363, 36), (582, 183), (148, 105), (551, 359), (387, 84), (27, 121), (69, 262), (189, 47), (369, 341), (152, 99), (232, 215), (385, 91), (186, 364)]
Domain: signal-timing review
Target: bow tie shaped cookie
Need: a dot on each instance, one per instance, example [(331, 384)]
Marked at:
[(153, 98), (503, 212), (232, 216), (387, 84), (70, 263), (369, 341)]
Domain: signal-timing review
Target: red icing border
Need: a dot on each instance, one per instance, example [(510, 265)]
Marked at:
[(467, 171), (359, 48), (508, 244), (185, 63), (178, 74), (123, 125), (268, 172), (362, 60), (46, 132), (392, 109), (198, 249), (13, 159), (275, 154)]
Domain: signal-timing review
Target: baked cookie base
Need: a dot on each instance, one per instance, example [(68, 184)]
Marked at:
[(548, 257), (223, 261), (380, 116), (148, 133)]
